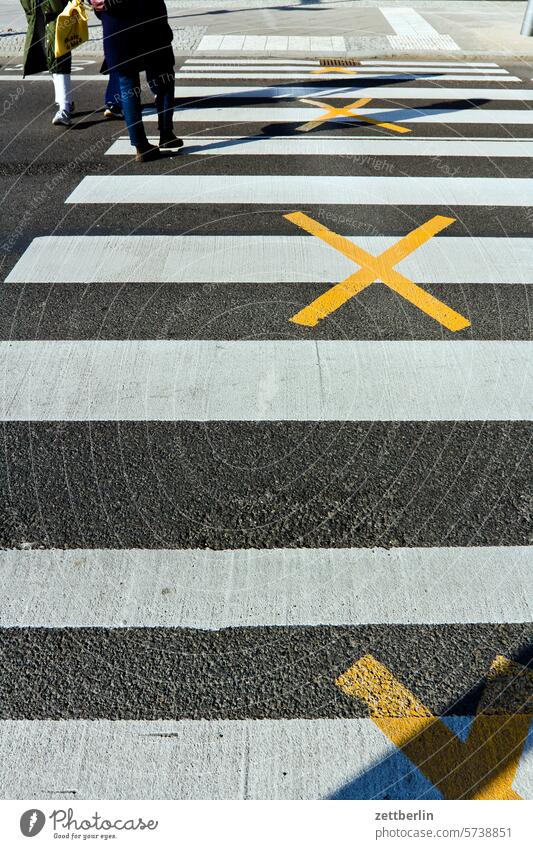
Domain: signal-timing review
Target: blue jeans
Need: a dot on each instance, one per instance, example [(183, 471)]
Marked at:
[(112, 94), (162, 85)]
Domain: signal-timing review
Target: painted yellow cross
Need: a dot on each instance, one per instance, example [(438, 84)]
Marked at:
[(485, 765), (334, 70), (345, 112), (374, 268)]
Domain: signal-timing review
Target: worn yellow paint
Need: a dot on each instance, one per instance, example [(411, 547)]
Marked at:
[(334, 70), (346, 112), (509, 689), (374, 268), (485, 765)]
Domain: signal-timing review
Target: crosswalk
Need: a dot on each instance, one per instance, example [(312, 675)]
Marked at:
[(446, 115), (298, 190), (265, 381), (255, 259), (354, 146), (247, 588), (215, 510), (367, 70)]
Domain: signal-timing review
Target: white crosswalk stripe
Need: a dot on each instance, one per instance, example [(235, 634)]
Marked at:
[(392, 570), (401, 62), (118, 758), (274, 69), (210, 62), (445, 116), (266, 381), (294, 190), (364, 71), (257, 73), (312, 63), (265, 146), (227, 73), (353, 93), (229, 589), (248, 259)]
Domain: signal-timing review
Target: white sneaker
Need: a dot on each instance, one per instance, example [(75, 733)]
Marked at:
[(62, 118)]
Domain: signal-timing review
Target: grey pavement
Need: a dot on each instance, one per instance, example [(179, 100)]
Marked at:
[(478, 27)]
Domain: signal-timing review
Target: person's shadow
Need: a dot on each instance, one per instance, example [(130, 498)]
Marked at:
[(395, 778)]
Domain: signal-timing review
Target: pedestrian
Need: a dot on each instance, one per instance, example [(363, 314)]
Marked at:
[(39, 54), (138, 37)]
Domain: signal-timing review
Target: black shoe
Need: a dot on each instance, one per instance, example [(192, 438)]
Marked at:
[(170, 141), (148, 154)]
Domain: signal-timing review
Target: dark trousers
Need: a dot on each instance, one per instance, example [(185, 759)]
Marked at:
[(162, 85), (112, 94)]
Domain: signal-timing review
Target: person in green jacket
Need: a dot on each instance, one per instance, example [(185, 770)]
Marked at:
[(39, 53)]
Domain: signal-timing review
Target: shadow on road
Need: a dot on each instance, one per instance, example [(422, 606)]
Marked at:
[(476, 747)]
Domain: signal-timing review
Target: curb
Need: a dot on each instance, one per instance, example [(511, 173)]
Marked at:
[(459, 55), (217, 58)]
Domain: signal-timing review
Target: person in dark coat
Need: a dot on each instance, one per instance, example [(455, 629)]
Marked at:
[(39, 53), (138, 37)]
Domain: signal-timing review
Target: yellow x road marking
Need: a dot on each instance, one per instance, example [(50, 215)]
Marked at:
[(482, 767), (374, 268), (334, 70), (345, 112)]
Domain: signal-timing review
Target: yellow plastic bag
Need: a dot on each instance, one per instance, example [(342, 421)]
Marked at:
[(72, 28)]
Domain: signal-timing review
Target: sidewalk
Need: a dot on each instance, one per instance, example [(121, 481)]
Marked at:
[(13, 30), (309, 28)]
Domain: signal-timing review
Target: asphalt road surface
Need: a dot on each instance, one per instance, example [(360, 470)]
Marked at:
[(227, 480)]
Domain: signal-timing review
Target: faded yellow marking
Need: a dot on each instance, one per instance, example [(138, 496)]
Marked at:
[(345, 112), (482, 768), (374, 268), (509, 689), (337, 69)]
